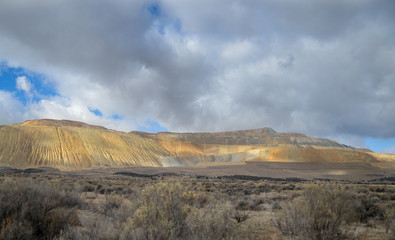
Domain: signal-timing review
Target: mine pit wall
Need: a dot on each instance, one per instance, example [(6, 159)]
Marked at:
[(192, 154)]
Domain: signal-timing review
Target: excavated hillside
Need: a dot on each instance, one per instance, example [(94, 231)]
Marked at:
[(70, 145), (74, 145), (259, 145)]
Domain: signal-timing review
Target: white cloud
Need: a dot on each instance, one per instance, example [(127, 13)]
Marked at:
[(62, 108), (238, 51), (23, 84), (11, 110)]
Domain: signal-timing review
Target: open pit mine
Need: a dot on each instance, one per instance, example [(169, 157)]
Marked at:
[(70, 145)]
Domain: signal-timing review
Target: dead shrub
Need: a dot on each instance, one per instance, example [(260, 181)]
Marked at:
[(318, 214), (240, 215), (97, 227), (389, 219), (110, 205), (213, 222), (30, 210), (195, 198), (170, 210), (366, 208), (88, 188), (251, 203)]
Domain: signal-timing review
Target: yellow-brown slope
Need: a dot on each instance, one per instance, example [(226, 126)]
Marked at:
[(73, 145)]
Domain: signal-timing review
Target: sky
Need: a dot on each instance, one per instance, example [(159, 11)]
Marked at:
[(324, 68)]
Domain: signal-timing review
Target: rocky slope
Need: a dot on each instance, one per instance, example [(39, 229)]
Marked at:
[(74, 145)]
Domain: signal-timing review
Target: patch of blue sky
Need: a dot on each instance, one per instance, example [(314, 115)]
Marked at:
[(154, 9), (163, 21), (116, 117), (40, 88), (153, 127), (8, 77), (379, 145), (97, 112), (177, 25)]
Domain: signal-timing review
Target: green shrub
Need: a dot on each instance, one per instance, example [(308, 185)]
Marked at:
[(160, 214)]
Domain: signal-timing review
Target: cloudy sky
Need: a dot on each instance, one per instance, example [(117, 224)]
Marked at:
[(324, 68)]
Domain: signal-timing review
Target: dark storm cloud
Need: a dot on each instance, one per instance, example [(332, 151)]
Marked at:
[(325, 68), (89, 37), (109, 43), (321, 19)]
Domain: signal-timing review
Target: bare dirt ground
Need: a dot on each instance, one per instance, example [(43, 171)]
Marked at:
[(291, 171), (278, 170)]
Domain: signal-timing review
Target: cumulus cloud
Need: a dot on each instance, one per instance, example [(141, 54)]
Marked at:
[(63, 108), (11, 110), (325, 68), (23, 84)]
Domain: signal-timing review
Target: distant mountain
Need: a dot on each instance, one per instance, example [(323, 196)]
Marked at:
[(70, 145)]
